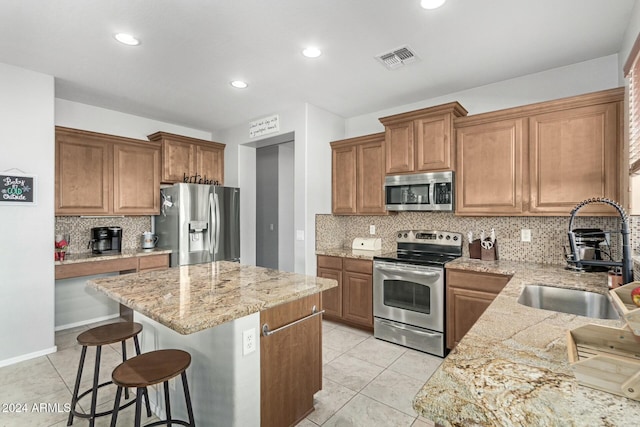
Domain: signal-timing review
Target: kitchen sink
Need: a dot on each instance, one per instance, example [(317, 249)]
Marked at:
[(572, 301)]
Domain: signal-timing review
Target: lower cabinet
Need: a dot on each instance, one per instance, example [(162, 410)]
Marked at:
[(352, 301), (290, 362), (469, 293)]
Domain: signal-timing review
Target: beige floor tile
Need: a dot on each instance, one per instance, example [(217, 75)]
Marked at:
[(328, 325), (329, 354), (350, 372), (329, 400), (395, 390), (416, 364), (306, 423), (354, 331), (29, 381), (341, 340), (378, 352), (362, 411)]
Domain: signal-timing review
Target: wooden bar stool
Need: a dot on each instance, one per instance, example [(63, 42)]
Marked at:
[(97, 337), (149, 369)]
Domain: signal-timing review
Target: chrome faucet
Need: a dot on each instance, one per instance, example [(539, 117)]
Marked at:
[(626, 263)]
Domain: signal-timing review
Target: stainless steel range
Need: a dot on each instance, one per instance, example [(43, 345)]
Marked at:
[(409, 289)]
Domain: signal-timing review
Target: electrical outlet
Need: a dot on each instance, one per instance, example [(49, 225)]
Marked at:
[(525, 235), (248, 341), (372, 229)]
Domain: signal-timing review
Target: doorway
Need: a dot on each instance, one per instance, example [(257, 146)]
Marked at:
[(275, 237)]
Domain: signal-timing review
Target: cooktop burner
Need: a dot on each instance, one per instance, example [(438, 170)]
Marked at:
[(421, 247)]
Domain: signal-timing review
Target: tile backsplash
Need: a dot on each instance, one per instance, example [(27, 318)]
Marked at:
[(79, 229), (548, 234)]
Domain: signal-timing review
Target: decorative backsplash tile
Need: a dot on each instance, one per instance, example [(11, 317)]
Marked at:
[(548, 234), (79, 229)]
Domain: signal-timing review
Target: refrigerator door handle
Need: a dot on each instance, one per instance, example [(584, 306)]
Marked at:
[(212, 218), (217, 205)]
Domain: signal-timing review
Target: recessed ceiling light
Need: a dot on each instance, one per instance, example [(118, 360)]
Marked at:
[(312, 52), (239, 84), (127, 39), (431, 4)]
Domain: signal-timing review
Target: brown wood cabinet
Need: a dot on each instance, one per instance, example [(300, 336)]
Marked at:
[(542, 159), (99, 174), (357, 184), (290, 362), (352, 301), (186, 159), (421, 140), (469, 293), (123, 265)]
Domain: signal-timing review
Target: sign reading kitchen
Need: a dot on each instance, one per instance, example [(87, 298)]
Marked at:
[(17, 189), (264, 126)]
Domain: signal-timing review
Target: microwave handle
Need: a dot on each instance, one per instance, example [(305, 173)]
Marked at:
[(432, 193)]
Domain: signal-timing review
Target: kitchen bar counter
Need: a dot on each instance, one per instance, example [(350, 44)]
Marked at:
[(90, 257), (192, 298), (511, 368)]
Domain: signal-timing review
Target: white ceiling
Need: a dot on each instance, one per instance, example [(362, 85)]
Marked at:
[(192, 49)]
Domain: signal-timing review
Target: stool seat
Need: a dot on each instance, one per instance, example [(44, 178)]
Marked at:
[(151, 368), (109, 334)]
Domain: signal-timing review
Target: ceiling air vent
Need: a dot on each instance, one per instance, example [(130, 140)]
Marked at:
[(398, 57)]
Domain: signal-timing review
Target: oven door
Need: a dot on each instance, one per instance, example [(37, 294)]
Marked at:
[(410, 294)]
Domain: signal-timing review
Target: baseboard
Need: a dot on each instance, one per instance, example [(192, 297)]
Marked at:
[(86, 322), (28, 356)]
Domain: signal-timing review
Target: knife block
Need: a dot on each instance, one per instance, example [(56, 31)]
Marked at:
[(475, 249)]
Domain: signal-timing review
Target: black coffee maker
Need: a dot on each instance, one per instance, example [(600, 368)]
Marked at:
[(106, 240)]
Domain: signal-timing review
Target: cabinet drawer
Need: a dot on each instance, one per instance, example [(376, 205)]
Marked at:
[(358, 266), (152, 262), (473, 280), (80, 269), (332, 262)]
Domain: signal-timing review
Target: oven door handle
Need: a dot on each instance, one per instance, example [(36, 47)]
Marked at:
[(391, 325), (402, 270)]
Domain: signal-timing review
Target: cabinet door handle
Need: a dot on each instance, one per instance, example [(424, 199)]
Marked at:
[(265, 328)]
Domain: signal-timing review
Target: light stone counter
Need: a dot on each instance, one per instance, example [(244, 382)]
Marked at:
[(192, 298), (348, 253), (511, 368), (90, 257)]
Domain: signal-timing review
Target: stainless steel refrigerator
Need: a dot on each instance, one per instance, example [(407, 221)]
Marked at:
[(199, 223)]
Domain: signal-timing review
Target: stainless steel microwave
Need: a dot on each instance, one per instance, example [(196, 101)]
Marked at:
[(432, 191)]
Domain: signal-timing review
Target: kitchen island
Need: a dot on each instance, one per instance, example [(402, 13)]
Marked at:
[(511, 368), (214, 312)]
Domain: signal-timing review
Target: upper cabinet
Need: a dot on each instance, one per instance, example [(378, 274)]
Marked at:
[(542, 159), (186, 159), (357, 175), (421, 140), (98, 174)]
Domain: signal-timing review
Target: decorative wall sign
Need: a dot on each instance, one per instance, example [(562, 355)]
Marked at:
[(264, 126), (18, 189)]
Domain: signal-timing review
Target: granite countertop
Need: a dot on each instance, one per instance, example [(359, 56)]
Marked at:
[(192, 298), (512, 369), (90, 257), (348, 253)]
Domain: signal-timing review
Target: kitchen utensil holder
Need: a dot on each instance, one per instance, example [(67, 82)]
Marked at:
[(476, 251), (621, 298)]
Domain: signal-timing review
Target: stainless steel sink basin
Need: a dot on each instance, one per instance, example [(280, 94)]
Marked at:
[(572, 301)]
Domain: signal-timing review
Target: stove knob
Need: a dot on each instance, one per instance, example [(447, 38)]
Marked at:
[(440, 236), (405, 235), (448, 237), (399, 235), (455, 238)]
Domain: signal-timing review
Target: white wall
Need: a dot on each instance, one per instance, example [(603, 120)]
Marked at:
[(27, 232), (314, 128), (87, 117), (576, 79), (286, 231)]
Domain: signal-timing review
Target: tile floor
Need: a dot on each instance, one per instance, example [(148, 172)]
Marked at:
[(367, 382)]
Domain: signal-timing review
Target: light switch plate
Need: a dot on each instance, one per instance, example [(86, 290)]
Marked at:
[(299, 234), (372, 229), (525, 235)]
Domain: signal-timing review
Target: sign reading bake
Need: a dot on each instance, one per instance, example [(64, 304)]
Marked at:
[(17, 189), (264, 126)]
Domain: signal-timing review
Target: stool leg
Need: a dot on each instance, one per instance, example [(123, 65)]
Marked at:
[(138, 404), (137, 344), (124, 359), (116, 407), (94, 393), (76, 388), (187, 398), (167, 405), (144, 390)]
